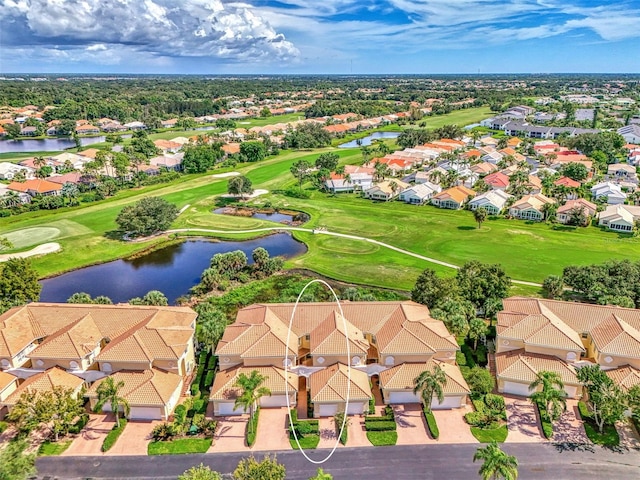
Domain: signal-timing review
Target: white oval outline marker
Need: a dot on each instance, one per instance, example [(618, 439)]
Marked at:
[(286, 372)]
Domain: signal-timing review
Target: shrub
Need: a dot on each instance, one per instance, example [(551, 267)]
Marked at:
[(76, 427), (200, 405), (3, 426), (431, 423), (296, 193), (180, 415), (195, 387), (461, 360), (468, 355), (494, 402), (211, 364), (584, 411), (380, 426), (113, 435), (372, 406), (252, 428), (476, 419), (480, 380), (208, 427), (208, 380), (163, 432), (547, 426)]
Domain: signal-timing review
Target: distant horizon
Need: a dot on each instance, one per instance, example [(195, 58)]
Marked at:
[(319, 37), (319, 74)]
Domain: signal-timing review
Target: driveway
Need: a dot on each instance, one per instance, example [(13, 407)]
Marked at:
[(411, 426), (453, 428), (89, 440), (629, 437), (229, 435), (357, 435), (134, 438), (522, 421), (327, 431), (272, 430), (569, 428)]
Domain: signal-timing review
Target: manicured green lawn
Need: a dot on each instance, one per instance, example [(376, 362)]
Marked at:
[(53, 448), (15, 157), (381, 439), (487, 436), (179, 446), (608, 438), (308, 442)]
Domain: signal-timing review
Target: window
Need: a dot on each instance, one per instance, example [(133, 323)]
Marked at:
[(584, 335)]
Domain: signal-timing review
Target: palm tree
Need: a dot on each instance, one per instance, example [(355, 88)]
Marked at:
[(108, 392), (251, 391), (477, 330), (210, 331), (430, 383), (39, 162), (497, 464), (480, 215), (552, 394)]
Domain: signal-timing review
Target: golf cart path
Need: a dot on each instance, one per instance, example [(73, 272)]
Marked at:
[(342, 235)]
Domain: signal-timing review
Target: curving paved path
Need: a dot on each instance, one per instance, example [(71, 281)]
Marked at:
[(335, 234)]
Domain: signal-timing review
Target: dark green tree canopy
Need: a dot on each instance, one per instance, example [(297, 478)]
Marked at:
[(253, 151), (18, 283), (147, 216)]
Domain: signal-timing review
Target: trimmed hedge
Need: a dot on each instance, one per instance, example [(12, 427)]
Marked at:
[(213, 361), (584, 410), (76, 427), (547, 426), (431, 423), (208, 380), (387, 426), (113, 435), (468, 355), (372, 406), (252, 428)]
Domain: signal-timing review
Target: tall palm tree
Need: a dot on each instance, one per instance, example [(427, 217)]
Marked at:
[(430, 383), (497, 464), (209, 332), (552, 393), (39, 161), (109, 392), (252, 390)]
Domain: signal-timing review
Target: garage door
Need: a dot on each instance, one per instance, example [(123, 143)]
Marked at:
[(403, 397), (145, 413), (328, 410), (274, 401), (226, 408), (517, 389), (355, 408), (448, 403), (572, 391)]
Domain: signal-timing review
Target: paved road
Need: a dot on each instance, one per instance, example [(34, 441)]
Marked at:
[(342, 235), (426, 462)]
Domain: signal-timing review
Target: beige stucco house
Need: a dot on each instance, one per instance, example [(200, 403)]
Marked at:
[(366, 338), (537, 334), (94, 341)]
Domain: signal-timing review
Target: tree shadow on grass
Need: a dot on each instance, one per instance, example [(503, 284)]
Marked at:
[(114, 235), (466, 227)]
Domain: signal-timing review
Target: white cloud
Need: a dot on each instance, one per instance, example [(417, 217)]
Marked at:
[(190, 28)]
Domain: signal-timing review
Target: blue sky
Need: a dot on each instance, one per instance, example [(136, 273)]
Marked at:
[(319, 36)]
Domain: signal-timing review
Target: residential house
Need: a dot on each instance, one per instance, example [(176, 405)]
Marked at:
[(355, 178), (8, 385), (42, 382), (9, 170), (36, 186), (631, 133), (530, 207), (611, 191), (453, 198), (492, 201), (71, 177), (87, 129), (483, 168), (420, 193), (534, 185), (621, 218), (497, 181), (622, 172), (169, 123), (77, 162), (564, 213), (150, 348), (29, 131), (537, 334), (385, 191), (567, 183), (135, 126), (167, 146), (170, 162), (303, 349)]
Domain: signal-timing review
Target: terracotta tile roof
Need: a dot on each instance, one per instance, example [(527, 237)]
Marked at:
[(136, 333), (580, 202), (330, 337), (522, 367), (402, 377), (497, 180), (152, 387), (626, 376), (567, 182), (330, 384), (44, 382), (532, 201), (614, 336), (37, 185), (6, 379), (458, 194), (223, 386)]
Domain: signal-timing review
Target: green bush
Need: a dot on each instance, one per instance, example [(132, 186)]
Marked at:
[(163, 432), (113, 435), (213, 361), (208, 380), (252, 428), (476, 419), (495, 403), (547, 426), (584, 411), (372, 406), (195, 387), (75, 428), (380, 426), (3, 426), (431, 423), (468, 355), (461, 360), (200, 405), (373, 419), (202, 359), (478, 404), (180, 415)]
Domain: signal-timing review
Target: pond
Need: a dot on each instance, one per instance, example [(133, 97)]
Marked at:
[(368, 140), (172, 270), (271, 216), (47, 144)]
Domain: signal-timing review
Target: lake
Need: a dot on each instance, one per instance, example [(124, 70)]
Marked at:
[(271, 216), (368, 140), (172, 270), (47, 144)]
